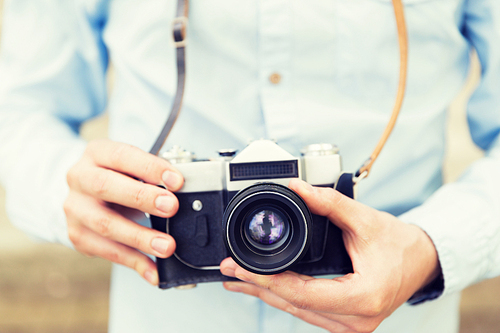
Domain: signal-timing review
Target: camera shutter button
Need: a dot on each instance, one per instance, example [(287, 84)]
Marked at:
[(227, 152)]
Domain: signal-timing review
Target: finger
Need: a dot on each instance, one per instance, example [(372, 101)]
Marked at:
[(109, 224), (346, 213), (275, 301), (92, 244), (228, 266), (135, 162), (114, 187), (127, 212), (346, 295)]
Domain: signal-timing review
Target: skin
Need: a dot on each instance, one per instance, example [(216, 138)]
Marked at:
[(391, 260), (105, 195)]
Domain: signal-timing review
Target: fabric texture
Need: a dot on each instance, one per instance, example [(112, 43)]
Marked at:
[(338, 65)]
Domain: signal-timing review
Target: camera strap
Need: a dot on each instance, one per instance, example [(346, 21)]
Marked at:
[(179, 27), (364, 170)]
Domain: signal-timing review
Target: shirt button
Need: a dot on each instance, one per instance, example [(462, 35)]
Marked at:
[(275, 78)]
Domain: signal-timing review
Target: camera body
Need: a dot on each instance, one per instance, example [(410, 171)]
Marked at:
[(240, 206)]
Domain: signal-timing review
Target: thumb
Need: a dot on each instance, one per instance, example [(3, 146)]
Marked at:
[(343, 211)]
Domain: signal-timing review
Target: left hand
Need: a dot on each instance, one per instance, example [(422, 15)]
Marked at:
[(391, 261), (104, 194)]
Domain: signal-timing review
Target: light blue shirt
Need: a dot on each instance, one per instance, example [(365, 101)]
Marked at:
[(339, 66)]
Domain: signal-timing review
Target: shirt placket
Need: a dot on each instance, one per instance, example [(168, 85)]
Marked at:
[(275, 75)]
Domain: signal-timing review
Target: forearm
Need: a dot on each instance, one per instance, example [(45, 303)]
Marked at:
[(52, 70), (463, 218), (463, 221), (37, 151)]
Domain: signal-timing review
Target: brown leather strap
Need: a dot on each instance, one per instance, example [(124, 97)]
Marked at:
[(403, 51), (179, 32)]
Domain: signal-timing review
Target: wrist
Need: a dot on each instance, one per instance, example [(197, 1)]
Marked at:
[(431, 284), (432, 259)]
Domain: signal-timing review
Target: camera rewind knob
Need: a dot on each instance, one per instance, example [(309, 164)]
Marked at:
[(178, 155)]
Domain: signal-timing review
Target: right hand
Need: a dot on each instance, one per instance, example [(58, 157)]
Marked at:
[(103, 196)]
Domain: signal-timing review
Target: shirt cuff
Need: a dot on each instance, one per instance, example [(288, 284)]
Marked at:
[(431, 291)]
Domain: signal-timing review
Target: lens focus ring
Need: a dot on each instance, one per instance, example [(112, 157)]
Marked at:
[(267, 228)]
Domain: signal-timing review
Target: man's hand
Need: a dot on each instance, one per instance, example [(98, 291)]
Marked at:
[(103, 195), (391, 261)]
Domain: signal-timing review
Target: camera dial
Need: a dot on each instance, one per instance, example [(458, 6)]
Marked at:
[(177, 155), (319, 149)]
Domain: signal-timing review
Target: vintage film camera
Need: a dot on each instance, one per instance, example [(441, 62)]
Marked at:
[(240, 206)]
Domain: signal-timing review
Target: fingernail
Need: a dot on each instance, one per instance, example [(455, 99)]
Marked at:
[(164, 203), (151, 277), (171, 179), (232, 287), (160, 245)]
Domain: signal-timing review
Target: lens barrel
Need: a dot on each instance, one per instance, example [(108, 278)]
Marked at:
[(267, 228)]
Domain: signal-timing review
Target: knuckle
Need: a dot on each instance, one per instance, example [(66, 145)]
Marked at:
[(299, 302), (150, 165), (88, 254), (141, 197), (84, 250), (100, 183), (289, 308), (75, 236), (120, 153), (71, 176), (115, 256), (298, 298), (68, 207), (138, 239), (373, 307), (137, 266), (102, 225)]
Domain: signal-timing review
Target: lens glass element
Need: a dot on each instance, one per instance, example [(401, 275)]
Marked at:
[(267, 227)]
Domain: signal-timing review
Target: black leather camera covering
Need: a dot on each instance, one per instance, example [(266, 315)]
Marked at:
[(326, 255)]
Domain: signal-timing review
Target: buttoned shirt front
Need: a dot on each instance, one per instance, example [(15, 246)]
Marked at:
[(293, 71)]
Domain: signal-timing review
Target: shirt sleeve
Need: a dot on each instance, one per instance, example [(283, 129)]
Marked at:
[(52, 78), (463, 218)]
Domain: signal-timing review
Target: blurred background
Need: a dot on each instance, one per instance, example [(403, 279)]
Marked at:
[(49, 288)]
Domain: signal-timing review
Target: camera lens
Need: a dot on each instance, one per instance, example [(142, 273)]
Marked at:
[(267, 228)]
